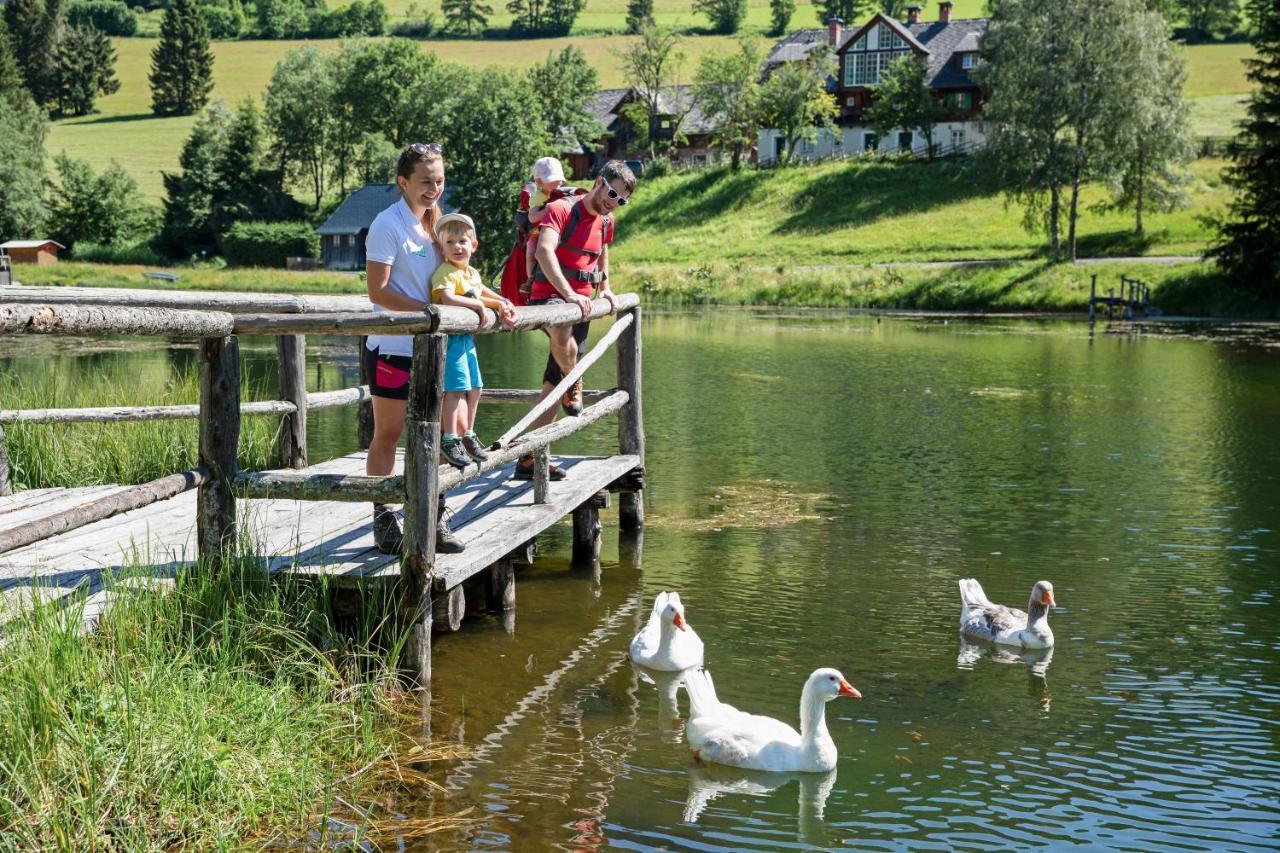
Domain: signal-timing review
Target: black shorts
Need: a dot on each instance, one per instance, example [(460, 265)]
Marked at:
[(388, 374), (552, 375)]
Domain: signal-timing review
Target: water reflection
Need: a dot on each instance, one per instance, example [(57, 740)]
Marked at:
[(707, 782), (668, 686), (1035, 660)]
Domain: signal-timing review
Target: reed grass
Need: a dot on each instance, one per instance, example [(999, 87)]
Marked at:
[(237, 712), (90, 454)]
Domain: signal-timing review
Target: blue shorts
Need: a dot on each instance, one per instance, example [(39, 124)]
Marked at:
[(462, 364)]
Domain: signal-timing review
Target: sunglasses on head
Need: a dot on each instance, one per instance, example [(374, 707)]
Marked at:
[(616, 196), (422, 148)]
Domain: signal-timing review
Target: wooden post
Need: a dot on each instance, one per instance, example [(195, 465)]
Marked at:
[(292, 351), (448, 609), (6, 488), (541, 474), (586, 532), (1093, 295), (631, 418), (421, 472), (500, 585), (364, 416), (219, 439)]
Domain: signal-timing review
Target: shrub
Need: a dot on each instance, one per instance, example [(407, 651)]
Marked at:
[(420, 27), (360, 18), (225, 21), (98, 253), (268, 244), (109, 16)]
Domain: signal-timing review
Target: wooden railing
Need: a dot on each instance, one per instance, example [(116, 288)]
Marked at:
[(219, 410)]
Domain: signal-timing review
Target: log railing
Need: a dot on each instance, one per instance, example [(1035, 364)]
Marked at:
[(222, 317)]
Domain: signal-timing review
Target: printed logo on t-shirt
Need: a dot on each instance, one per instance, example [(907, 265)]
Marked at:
[(420, 251)]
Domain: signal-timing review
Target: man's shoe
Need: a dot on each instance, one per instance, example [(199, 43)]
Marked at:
[(452, 451), (572, 400), (471, 444), (446, 542), (387, 537), (524, 470)]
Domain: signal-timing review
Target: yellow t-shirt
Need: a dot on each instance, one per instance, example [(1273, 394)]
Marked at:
[(538, 198), (460, 282)]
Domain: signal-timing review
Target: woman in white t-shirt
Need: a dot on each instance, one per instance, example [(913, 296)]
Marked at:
[(400, 256)]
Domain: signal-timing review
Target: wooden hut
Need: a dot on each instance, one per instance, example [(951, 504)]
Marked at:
[(32, 251)]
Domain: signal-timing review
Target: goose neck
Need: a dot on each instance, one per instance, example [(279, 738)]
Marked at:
[(1037, 611), (813, 717)]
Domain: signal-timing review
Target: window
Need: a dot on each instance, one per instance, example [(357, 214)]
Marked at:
[(865, 69), (959, 101), (806, 146), (957, 138), (870, 142), (904, 140), (968, 60), (342, 240)]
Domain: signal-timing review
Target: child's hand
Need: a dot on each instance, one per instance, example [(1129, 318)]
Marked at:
[(507, 315), (482, 314)]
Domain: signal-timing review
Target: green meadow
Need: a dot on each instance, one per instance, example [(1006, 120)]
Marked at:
[(125, 130)]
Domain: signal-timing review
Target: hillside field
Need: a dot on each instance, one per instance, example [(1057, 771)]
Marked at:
[(125, 130)]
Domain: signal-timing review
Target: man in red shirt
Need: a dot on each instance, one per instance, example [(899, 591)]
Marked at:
[(573, 261)]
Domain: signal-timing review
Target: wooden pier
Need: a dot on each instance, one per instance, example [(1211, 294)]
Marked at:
[(315, 519), (1133, 298)]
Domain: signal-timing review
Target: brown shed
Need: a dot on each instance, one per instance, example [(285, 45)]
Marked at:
[(32, 251)]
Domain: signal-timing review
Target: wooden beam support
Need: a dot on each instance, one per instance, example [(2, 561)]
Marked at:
[(219, 439), (447, 610), (631, 418), (586, 533), (341, 323), (206, 300), (500, 586), (19, 319), (421, 466), (292, 352), (126, 499), (334, 399), (112, 414), (364, 418), (541, 475), (6, 487), (456, 320)]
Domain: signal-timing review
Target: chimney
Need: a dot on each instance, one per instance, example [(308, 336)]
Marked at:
[(835, 32), (944, 11), (913, 14)]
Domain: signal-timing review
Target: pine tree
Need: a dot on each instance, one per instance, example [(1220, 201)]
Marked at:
[(182, 63), (639, 15), (780, 12), (12, 86), (1248, 250), (466, 16), (33, 30), (849, 11), (85, 62)]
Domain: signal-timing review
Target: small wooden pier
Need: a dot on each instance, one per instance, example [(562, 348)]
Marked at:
[(315, 519), (1133, 298)]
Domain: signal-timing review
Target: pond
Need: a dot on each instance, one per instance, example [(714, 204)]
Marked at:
[(817, 485)]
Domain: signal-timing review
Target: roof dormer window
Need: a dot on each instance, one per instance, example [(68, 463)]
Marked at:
[(968, 60)]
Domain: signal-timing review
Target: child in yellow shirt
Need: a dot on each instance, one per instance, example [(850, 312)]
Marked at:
[(456, 282)]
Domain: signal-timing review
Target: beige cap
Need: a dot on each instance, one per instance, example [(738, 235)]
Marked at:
[(548, 169), (455, 217)]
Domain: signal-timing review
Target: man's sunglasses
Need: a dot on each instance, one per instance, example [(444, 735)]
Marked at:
[(614, 195), (422, 148)]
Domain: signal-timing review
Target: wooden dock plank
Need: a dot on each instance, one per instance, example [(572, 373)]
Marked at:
[(20, 509)]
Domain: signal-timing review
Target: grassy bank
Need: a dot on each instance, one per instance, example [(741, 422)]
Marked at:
[(229, 714), (90, 454)]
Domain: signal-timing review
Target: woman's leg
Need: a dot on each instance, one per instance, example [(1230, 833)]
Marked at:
[(388, 423)]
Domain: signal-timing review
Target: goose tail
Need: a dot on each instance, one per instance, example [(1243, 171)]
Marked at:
[(971, 593), (702, 693)]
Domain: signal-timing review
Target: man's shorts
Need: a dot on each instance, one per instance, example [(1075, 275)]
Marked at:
[(552, 375), (462, 364), (389, 374)]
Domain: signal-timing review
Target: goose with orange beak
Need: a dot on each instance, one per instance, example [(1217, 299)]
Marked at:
[(1006, 626), (666, 642)]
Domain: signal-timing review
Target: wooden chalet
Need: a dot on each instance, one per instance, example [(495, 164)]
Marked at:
[(949, 48), (342, 234), (32, 251), (678, 115)]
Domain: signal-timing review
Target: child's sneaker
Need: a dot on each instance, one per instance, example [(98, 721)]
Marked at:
[(471, 444), (451, 450)]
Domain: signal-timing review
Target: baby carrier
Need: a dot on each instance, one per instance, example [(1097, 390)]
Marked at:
[(513, 273)]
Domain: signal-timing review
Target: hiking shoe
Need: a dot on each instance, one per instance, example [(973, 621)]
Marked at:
[(475, 449), (524, 470), (451, 450), (446, 542), (572, 400), (387, 537)]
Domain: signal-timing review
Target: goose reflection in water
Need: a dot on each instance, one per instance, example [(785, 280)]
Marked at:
[(668, 686), (709, 781), (1035, 660)]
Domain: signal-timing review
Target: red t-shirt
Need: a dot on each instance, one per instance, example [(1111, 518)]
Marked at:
[(587, 234)]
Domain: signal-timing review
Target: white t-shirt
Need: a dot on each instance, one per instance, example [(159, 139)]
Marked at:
[(396, 237)]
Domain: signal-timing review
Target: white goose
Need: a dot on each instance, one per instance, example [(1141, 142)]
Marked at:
[(667, 642), (995, 623), (722, 734)]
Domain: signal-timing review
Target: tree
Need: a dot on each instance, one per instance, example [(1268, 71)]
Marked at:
[(896, 9), (85, 63), (479, 125), (88, 207), (649, 64), (22, 131), (243, 188), (299, 117), (727, 89), (725, 15), (34, 27), (375, 159), (902, 100), (1248, 244), (465, 15), (566, 83), (795, 101), (1154, 145), (639, 15), (281, 19), (1211, 19), (849, 11), (182, 63), (12, 85), (780, 12), (544, 17), (190, 194)]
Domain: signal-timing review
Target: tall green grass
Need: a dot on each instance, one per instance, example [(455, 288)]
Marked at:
[(234, 713), (90, 454)]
